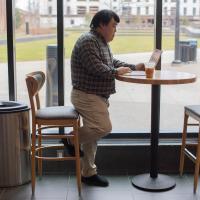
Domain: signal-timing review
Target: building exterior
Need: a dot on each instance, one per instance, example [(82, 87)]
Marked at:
[(2, 16), (132, 12), (78, 12)]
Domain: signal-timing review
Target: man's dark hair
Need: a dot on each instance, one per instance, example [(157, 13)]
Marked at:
[(103, 17)]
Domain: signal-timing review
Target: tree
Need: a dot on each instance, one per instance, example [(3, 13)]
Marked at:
[(18, 18)]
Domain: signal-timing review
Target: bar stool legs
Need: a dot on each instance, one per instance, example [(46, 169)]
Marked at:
[(186, 151)]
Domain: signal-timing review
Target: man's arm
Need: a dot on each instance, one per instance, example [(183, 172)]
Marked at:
[(138, 67), (118, 63)]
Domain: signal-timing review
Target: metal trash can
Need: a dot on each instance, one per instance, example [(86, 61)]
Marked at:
[(184, 51), (188, 50), (15, 165), (52, 76), (193, 50)]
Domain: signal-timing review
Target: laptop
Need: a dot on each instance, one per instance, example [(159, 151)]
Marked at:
[(155, 57)]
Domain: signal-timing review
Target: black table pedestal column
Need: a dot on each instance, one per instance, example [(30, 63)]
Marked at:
[(154, 181)]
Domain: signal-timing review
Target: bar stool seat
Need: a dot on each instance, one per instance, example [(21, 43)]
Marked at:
[(193, 111), (57, 112)]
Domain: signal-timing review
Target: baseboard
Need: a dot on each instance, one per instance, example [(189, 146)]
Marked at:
[(128, 156)]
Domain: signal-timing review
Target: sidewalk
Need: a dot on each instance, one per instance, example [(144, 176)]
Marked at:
[(130, 106)]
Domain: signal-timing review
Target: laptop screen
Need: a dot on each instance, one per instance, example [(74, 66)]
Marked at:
[(155, 57)]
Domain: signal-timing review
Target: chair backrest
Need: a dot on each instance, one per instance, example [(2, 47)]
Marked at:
[(34, 82)]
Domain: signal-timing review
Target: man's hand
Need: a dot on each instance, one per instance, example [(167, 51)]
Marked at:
[(123, 70), (140, 67)]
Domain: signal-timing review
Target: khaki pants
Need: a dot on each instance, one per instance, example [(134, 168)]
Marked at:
[(96, 124)]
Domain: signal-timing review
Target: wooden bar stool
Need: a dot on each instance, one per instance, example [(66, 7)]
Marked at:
[(193, 112), (50, 117)]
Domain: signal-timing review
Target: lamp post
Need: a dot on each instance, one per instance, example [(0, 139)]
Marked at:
[(177, 29)]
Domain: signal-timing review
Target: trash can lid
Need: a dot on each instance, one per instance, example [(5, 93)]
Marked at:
[(12, 106), (193, 42)]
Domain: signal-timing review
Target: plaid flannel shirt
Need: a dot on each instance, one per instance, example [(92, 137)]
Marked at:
[(93, 67)]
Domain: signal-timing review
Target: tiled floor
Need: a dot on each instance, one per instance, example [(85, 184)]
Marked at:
[(57, 187)]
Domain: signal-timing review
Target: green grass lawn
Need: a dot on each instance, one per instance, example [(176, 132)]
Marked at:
[(132, 44), (36, 50)]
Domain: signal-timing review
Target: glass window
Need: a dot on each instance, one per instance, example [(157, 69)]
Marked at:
[(49, 10), (93, 9), (133, 43), (115, 8), (81, 10), (138, 10), (4, 94), (176, 43), (35, 33), (173, 11), (185, 11), (194, 11), (72, 22), (126, 10), (165, 11), (68, 10), (146, 10)]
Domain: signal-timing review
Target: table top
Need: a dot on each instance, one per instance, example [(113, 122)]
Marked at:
[(161, 77)]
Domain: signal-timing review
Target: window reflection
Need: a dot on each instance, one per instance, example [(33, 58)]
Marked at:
[(4, 95), (36, 23), (35, 30), (174, 98)]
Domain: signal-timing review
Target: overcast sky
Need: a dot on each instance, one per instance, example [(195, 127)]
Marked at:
[(22, 4)]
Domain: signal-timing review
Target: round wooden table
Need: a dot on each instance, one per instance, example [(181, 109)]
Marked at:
[(155, 181)]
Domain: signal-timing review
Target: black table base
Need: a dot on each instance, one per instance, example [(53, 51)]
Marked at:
[(161, 183), (153, 181)]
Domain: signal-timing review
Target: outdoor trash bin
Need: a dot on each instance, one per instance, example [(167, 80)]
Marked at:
[(193, 49), (52, 75), (188, 50), (14, 144)]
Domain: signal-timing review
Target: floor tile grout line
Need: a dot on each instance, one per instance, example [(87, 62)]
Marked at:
[(133, 194), (68, 185)]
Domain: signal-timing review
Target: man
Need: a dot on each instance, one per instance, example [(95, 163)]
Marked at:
[(93, 71)]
